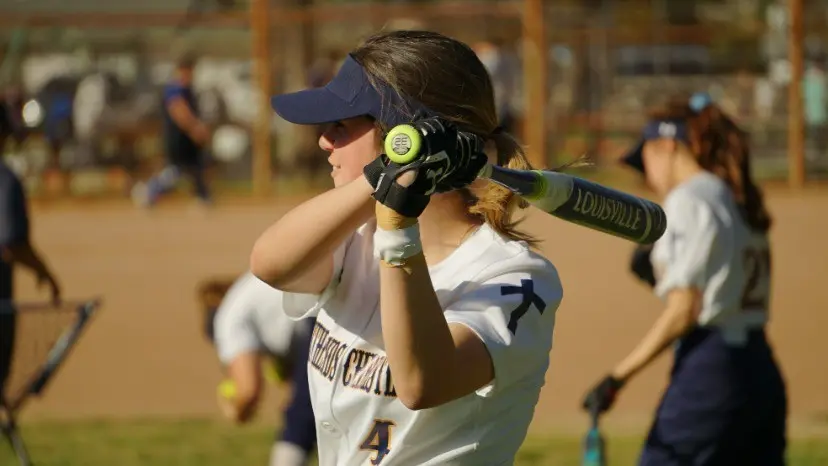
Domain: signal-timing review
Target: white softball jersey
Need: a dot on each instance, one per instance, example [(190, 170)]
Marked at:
[(500, 289), (708, 246), (251, 318)]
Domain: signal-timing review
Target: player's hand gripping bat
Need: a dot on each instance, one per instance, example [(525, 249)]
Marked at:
[(565, 196)]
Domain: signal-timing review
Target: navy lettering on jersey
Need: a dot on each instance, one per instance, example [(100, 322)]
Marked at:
[(325, 351), (361, 370), (527, 290)]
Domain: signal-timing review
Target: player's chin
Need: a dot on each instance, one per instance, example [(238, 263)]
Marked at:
[(338, 179)]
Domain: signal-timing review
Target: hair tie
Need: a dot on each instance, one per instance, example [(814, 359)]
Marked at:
[(498, 130), (699, 101)]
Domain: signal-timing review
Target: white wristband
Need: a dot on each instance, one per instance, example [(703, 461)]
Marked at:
[(394, 246)]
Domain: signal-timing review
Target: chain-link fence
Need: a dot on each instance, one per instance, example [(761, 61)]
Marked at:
[(610, 61), (88, 76)]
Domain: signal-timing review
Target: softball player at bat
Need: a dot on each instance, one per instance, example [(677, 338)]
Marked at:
[(726, 402), (434, 317), (249, 325)]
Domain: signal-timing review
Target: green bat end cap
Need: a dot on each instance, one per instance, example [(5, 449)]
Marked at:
[(402, 144)]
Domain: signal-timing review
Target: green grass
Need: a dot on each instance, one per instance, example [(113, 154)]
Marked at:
[(210, 443)]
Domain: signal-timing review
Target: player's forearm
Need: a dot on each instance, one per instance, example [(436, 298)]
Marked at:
[(24, 254), (294, 246), (673, 322), (417, 339), (244, 385)]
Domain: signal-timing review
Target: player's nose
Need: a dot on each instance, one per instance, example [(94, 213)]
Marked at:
[(326, 141)]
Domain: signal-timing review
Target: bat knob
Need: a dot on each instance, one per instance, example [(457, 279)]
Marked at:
[(402, 144)]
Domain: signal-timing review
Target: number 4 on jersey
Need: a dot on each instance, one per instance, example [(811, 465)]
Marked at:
[(378, 440)]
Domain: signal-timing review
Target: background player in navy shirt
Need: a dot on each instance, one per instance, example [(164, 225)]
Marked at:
[(185, 136)]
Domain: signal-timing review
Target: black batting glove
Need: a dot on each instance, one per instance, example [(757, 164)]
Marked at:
[(642, 266), (469, 160), (602, 396), (448, 160), (463, 151), (463, 161)]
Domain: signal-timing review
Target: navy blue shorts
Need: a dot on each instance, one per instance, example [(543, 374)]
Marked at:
[(725, 406), (299, 422)]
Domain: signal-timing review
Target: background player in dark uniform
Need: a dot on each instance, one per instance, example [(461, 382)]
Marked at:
[(185, 136), (15, 248), (246, 322)]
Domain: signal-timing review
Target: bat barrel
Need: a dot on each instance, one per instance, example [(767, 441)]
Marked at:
[(585, 203), (612, 211)]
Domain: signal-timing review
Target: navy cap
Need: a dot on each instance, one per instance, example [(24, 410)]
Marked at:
[(348, 95), (655, 129)]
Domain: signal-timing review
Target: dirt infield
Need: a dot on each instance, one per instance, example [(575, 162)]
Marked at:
[(144, 356)]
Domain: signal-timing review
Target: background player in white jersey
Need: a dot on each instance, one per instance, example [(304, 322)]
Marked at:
[(436, 352), (246, 322), (726, 402)]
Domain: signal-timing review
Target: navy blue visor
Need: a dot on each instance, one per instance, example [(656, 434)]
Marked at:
[(655, 129), (348, 95)]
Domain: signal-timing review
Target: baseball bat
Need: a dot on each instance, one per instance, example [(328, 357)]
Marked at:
[(594, 446), (567, 197)]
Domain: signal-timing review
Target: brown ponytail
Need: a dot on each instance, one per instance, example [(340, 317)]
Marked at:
[(495, 204), (722, 148)]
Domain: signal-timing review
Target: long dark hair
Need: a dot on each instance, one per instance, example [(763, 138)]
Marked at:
[(722, 148)]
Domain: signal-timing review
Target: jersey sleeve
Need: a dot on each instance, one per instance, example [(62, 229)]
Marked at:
[(688, 244), (304, 305), (14, 218), (172, 91), (235, 331), (514, 315)]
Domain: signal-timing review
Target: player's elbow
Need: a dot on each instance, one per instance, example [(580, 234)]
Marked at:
[(414, 402), (417, 395), (266, 267)]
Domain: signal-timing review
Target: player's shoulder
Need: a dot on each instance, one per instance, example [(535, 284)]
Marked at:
[(704, 199), (493, 256), (704, 190), (174, 89)]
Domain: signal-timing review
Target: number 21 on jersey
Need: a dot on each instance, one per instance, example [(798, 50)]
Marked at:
[(378, 440)]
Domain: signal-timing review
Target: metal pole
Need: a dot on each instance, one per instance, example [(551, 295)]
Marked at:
[(262, 143), (796, 123), (534, 81)]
